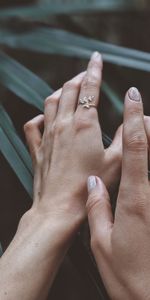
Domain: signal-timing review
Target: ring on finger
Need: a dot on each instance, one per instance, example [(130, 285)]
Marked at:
[(87, 102)]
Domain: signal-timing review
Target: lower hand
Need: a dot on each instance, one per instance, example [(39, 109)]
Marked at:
[(121, 244)]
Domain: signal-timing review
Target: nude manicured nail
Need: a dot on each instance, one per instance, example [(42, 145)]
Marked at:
[(91, 183), (96, 56), (134, 94)]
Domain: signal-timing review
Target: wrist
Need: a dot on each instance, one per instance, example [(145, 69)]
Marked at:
[(59, 225), (65, 211)]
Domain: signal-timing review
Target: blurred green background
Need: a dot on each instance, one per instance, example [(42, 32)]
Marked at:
[(42, 44)]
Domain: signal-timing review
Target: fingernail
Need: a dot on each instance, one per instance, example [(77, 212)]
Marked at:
[(134, 94), (96, 56), (91, 183)]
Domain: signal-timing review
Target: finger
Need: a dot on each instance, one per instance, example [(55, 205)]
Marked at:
[(91, 85), (69, 96), (99, 214), (50, 113), (32, 130), (135, 156)]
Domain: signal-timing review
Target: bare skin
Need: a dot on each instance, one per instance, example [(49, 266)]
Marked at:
[(69, 150), (76, 131), (121, 245)]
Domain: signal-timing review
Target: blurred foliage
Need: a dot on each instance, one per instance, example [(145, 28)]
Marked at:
[(28, 28)]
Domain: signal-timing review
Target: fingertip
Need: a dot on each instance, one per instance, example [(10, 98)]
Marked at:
[(134, 94), (91, 183), (94, 182), (97, 58), (133, 107), (96, 188)]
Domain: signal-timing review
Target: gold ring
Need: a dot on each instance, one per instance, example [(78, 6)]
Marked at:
[(87, 102)]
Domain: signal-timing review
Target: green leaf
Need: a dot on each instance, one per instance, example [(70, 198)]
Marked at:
[(15, 162), (41, 11), (14, 151), (22, 81), (54, 41), (1, 250), (9, 129)]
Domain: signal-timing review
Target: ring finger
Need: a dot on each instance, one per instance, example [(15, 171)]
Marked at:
[(90, 87)]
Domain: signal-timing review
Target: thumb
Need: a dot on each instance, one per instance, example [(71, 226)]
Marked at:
[(99, 213)]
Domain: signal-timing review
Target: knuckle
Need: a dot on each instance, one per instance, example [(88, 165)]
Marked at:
[(134, 112), (93, 202), (28, 126), (82, 123), (90, 82), (137, 205), (50, 100), (140, 207), (135, 141), (95, 65), (58, 127)]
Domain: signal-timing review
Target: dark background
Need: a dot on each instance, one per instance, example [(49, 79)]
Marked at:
[(129, 29)]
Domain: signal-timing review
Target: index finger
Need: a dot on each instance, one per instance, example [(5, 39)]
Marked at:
[(135, 148)]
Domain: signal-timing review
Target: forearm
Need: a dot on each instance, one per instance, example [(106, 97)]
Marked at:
[(30, 263)]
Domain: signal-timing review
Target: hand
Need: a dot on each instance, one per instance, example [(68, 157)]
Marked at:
[(121, 244), (70, 149)]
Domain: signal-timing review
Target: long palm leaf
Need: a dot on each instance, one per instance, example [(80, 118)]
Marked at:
[(55, 41), (15, 162), (9, 129), (41, 11), (22, 81)]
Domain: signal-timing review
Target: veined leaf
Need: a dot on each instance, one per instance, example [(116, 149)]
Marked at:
[(22, 81), (9, 129), (41, 11), (61, 42), (15, 162)]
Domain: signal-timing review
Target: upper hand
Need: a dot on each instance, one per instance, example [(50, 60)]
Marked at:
[(71, 147)]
